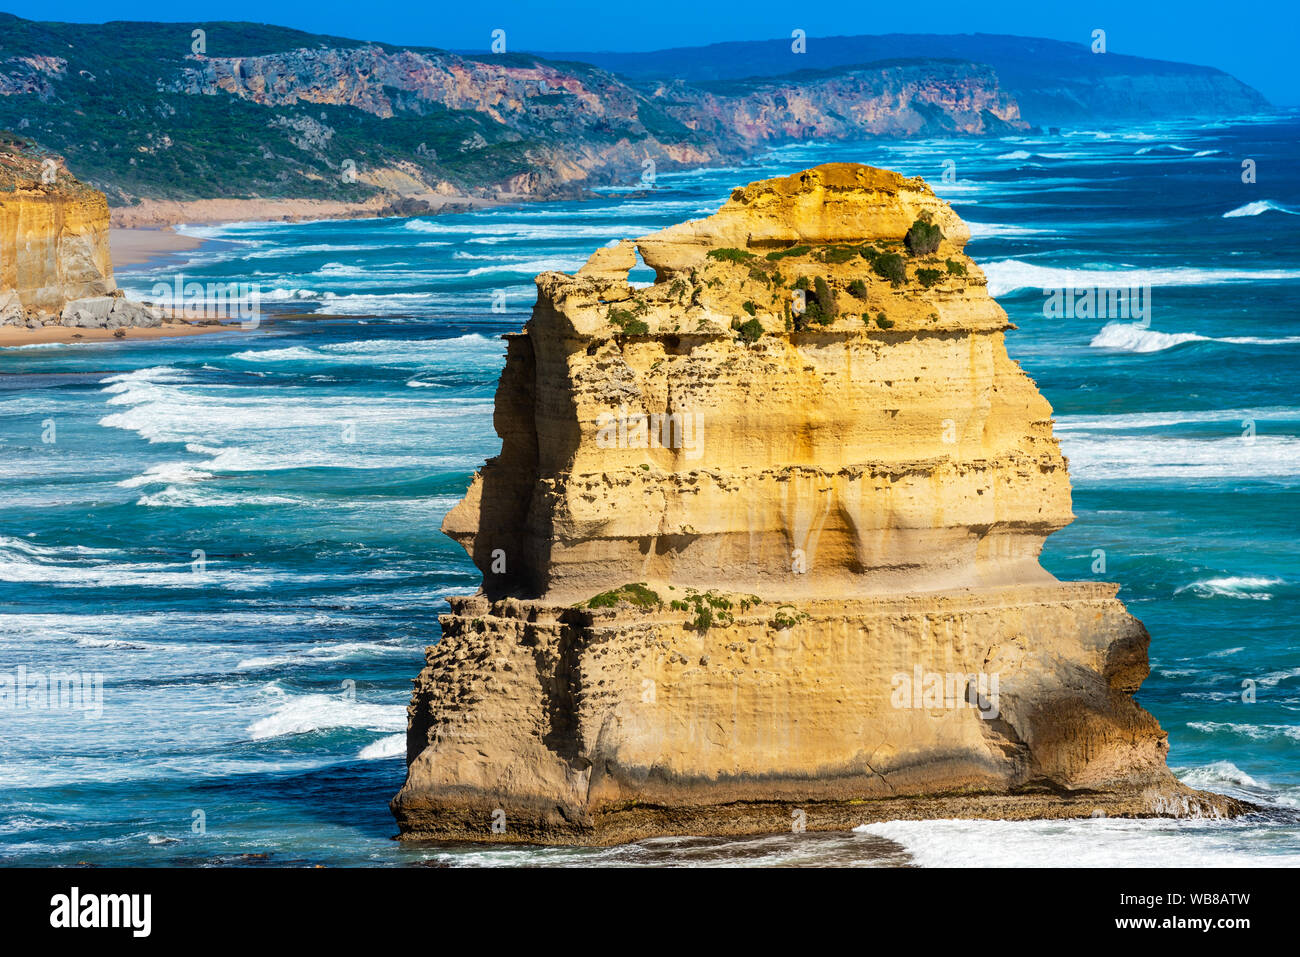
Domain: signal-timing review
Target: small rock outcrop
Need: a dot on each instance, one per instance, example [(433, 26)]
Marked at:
[(762, 542)]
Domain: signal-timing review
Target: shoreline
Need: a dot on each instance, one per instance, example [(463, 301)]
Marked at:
[(159, 214), (16, 337), (136, 247)]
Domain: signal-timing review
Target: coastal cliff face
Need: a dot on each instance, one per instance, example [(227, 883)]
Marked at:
[(53, 231), (560, 100), (607, 127), (364, 129), (761, 546), (384, 130), (925, 98)]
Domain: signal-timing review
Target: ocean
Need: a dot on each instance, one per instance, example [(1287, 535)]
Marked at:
[(239, 531)]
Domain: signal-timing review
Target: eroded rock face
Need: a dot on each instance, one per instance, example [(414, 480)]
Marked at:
[(53, 231), (109, 312), (763, 538)]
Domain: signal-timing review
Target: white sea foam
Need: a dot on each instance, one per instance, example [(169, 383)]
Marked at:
[(1112, 456), (189, 496), (166, 474), (1275, 678), (1090, 842), (1255, 732), (49, 345), (300, 714), (1219, 772), (533, 231), (73, 568), (387, 747), (242, 430), (1148, 420), (1138, 338), (532, 267), (1009, 275), (1234, 586), (1135, 337), (281, 251), (1165, 148), (454, 352), (70, 567), (1258, 207), (321, 653), (289, 295), (377, 304), (992, 230)]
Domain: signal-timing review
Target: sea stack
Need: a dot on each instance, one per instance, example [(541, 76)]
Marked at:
[(760, 552)]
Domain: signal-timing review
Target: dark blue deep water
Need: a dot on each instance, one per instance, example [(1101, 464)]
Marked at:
[(239, 531)]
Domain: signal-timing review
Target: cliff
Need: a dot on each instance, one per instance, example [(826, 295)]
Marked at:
[(1053, 81), (383, 129), (53, 231), (258, 112), (762, 541), (895, 99), (55, 265)]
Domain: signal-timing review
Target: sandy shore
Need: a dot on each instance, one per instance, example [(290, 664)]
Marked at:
[(14, 336), (130, 247), (155, 213)]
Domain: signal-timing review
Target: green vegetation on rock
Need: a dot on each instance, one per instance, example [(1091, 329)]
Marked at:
[(634, 593), (729, 254), (890, 266), (923, 238), (709, 608), (750, 331), (792, 251), (928, 277)]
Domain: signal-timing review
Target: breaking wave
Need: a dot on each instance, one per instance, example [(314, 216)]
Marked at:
[(1008, 275), (1134, 337), (1258, 207)]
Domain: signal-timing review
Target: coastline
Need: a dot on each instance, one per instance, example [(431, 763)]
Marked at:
[(14, 336), (135, 247), (157, 214), (128, 247)]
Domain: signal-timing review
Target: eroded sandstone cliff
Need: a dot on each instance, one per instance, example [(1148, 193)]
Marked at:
[(762, 544), (53, 231)]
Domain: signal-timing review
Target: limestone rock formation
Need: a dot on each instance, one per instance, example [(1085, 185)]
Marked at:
[(53, 231), (762, 541), (110, 312), (55, 265)]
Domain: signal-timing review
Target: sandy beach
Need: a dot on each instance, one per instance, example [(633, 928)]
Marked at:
[(130, 247), (155, 213), (11, 336)]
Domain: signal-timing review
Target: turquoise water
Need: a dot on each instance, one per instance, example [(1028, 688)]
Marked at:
[(239, 531)]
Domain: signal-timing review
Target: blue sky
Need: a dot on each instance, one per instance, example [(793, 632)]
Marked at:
[(1255, 41)]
